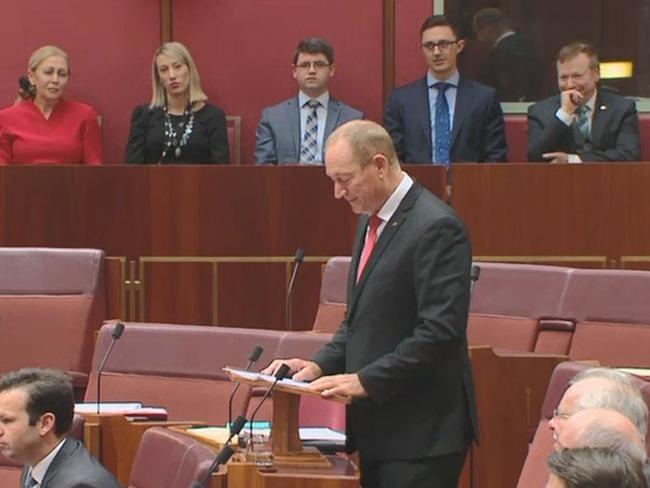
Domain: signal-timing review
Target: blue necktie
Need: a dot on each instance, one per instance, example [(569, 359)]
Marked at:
[(443, 127)]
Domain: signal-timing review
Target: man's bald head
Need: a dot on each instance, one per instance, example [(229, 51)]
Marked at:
[(602, 428)]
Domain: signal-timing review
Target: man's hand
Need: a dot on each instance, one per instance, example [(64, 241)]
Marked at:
[(570, 100), (556, 157), (346, 385), (301, 369)]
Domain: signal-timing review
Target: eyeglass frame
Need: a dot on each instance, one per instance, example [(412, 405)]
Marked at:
[(563, 416), (444, 45), (317, 65)]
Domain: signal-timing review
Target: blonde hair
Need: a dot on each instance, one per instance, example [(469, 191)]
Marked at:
[(177, 51), (44, 52)]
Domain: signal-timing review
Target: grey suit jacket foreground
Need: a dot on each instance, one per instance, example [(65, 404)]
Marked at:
[(614, 130), (278, 133), (74, 467), (478, 132), (405, 335)]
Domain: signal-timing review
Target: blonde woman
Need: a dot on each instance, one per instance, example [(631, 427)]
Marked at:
[(178, 126), (47, 128)]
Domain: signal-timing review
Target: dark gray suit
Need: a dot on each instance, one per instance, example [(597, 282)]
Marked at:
[(478, 133), (405, 336), (278, 133), (614, 130), (74, 467)]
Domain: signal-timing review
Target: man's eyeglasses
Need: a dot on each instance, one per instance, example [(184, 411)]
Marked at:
[(443, 45), (316, 64)]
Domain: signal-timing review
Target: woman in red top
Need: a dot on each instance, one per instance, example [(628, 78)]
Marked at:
[(49, 129)]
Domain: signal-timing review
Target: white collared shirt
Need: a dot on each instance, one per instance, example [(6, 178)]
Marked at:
[(321, 113), (450, 95), (568, 119), (390, 206), (38, 472)]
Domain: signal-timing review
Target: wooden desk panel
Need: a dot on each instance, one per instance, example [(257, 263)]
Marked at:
[(190, 212)]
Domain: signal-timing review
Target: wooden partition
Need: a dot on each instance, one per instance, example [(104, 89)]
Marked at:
[(586, 214), (196, 244)]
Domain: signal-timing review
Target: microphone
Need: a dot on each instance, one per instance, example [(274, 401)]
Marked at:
[(117, 333), (282, 371), (473, 276), (252, 359), (297, 261), (226, 451)]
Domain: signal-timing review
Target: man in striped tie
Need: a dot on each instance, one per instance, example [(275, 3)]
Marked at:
[(295, 130), (583, 123)]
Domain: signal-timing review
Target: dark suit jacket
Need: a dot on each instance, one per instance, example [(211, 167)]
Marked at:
[(405, 335), (614, 130), (74, 467), (478, 132), (278, 133)]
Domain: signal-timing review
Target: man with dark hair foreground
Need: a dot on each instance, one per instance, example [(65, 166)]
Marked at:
[(36, 411), (587, 467), (584, 122)]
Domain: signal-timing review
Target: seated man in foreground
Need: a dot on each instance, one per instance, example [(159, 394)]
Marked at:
[(36, 411), (584, 122)]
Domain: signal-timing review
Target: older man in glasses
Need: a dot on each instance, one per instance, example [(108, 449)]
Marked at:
[(295, 130), (445, 118)]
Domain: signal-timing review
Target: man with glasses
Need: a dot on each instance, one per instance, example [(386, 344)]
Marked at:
[(444, 117), (584, 122), (295, 130)]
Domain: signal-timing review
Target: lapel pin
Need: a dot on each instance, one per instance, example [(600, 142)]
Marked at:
[(393, 223), (603, 107)]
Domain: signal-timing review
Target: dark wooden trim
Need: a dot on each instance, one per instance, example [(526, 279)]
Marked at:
[(166, 34), (389, 47)]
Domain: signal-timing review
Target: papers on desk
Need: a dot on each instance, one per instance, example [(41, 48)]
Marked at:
[(307, 434), (641, 372), (267, 378), (128, 409)]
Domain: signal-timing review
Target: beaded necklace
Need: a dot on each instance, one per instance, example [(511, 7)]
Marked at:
[(172, 139)]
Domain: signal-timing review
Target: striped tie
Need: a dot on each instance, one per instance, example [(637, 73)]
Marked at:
[(582, 120), (443, 129), (310, 139)]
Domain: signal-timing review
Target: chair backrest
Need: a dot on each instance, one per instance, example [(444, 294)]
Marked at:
[(168, 459), (179, 367), (509, 301), (51, 303), (333, 295), (517, 138), (233, 127)]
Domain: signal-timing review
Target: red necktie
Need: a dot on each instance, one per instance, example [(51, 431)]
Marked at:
[(371, 240)]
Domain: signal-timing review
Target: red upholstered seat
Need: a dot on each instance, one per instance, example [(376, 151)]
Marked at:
[(644, 128), (517, 138), (168, 459), (179, 367), (500, 331), (51, 303), (333, 295)]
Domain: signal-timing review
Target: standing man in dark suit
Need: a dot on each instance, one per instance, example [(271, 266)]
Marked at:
[(296, 130), (36, 410), (444, 118), (514, 66), (401, 352), (582, 123)]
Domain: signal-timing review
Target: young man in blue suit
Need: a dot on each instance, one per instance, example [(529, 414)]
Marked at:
[(400, 354), (583, 122), (295, 130), (36, 410), (444, 118)]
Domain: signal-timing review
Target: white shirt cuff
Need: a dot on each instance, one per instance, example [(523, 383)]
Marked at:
[(573, 159), (564, 116)]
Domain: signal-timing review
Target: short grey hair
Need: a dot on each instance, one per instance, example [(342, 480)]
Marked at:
[(624, 396), (595, 435)]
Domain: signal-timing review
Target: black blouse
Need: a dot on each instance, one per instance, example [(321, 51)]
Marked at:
[(208, 142)]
